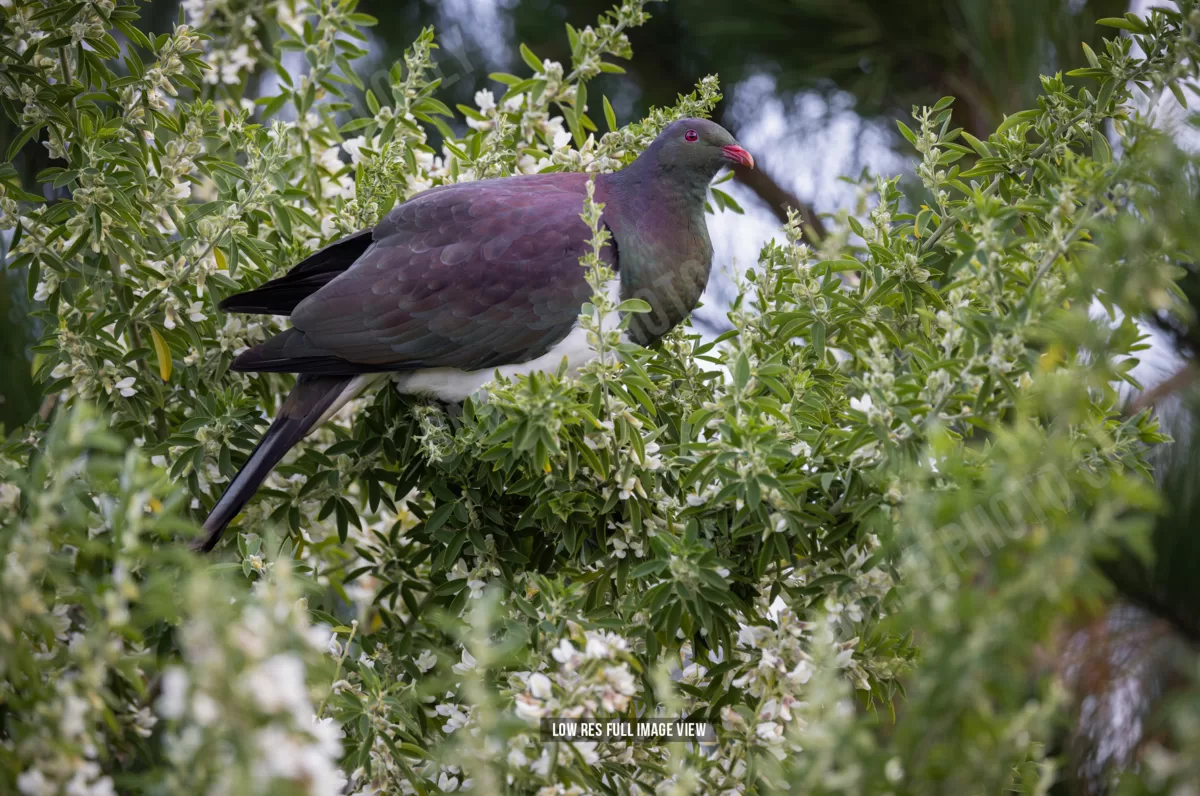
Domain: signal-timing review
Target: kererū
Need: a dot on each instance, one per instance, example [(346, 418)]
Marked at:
[(464, 280)]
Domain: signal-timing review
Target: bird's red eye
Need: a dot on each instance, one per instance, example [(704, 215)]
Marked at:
[(691, 135)]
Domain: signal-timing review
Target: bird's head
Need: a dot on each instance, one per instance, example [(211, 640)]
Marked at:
[(699, 147)]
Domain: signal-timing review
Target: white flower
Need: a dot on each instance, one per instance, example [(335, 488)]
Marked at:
[(426, 161), (181, 190), (46, 288), (309, 766), (328, 736), (539, 686), (72, 723), (330, 160), (353, 147), (33, 783), (10, 494), (894, 770), (467, 665), (517, 758), (866, 453), (564, 652), (652, 462), (528, 707), (528, 164), (750, 635), (597, 647), (195, 312), (318, 637), (562, 139), (541, 766), (801, 674), (630, 486), (205, 709), (88, 782), (586, 751), (485, 100), (237, 60), (770, 660), (277, 685), (173, 695), (125, 387), (770, 731), (455, 717), (862, 404), (621, 679), (426, 660), (476, 586)]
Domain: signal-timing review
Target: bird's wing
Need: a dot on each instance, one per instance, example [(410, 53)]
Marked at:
[(473, 276), (280, 295)]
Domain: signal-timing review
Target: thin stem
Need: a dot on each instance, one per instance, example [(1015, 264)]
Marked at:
[(1047, 262), (341, 660)]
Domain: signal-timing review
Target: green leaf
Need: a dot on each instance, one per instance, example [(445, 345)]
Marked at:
[(531, 60), (979, 146), (1017, 118), (651, 567), (741, 371), (908, 134), (163, 352), (1178, 92), (817, 337), (21, 139), (634, 305), (610, 118), (1101, 151), (726, 201), (438, 518)]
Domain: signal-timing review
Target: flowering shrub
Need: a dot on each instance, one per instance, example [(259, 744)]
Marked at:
[(843, 530)]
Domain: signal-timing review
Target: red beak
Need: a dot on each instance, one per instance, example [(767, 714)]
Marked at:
[(738, 155)]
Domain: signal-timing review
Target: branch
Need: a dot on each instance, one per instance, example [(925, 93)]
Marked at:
[(778, 198), (1186, 375)]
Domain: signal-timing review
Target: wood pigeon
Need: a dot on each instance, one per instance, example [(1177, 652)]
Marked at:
[(464, 280)]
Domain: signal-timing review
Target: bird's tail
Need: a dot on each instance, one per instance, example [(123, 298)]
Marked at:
[(311, 402)]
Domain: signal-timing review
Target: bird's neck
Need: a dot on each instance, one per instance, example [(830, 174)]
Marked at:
[(662, 246)]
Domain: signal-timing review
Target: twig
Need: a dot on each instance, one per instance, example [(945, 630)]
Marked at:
[(1182, 379), (778, 198)]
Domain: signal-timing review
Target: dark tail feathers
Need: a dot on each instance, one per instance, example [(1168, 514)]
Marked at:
[(306, 404)]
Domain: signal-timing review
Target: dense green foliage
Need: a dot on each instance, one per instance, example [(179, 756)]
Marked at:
[(844, 530)]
